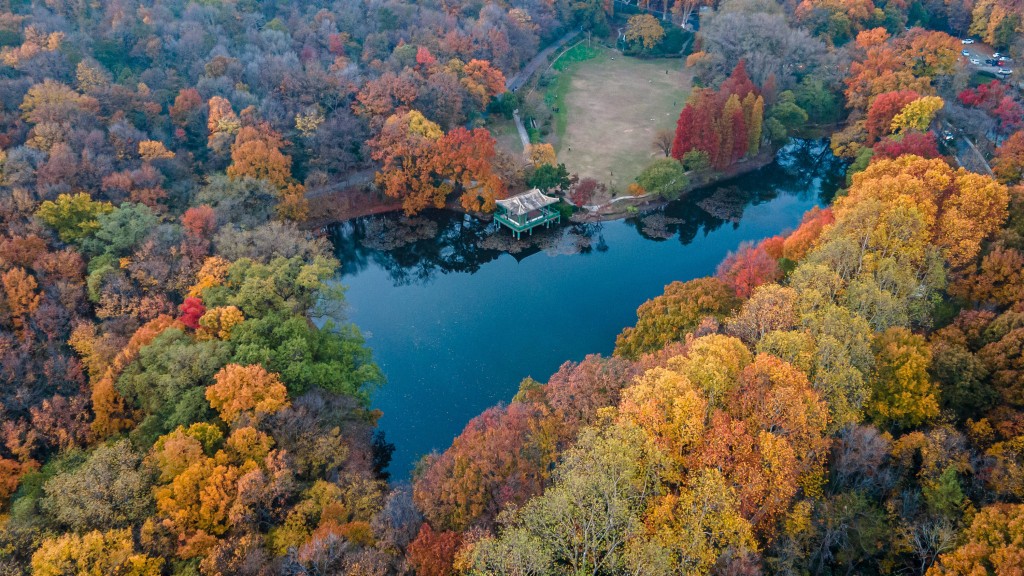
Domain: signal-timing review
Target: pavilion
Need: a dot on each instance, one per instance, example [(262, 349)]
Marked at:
[(526, 211)]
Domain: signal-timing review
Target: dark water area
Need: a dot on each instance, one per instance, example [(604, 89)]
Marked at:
[(456, 321)]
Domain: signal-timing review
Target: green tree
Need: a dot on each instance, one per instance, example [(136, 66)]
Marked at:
[(664, 177), (168, 381), (74, 217), (121, 230), (550, 178)]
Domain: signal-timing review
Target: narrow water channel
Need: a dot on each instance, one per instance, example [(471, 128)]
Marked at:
[(456, 324)]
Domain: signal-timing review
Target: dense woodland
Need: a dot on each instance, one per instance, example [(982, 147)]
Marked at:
[(180, 395)]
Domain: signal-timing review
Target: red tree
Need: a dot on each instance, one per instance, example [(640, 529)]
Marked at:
[(199, 221), (883, 109), (433, 553), (917, 143), (748, 268), (738, 83), (192, 309), (986, 96)]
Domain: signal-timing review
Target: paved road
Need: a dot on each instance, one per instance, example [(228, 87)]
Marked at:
[(967, 154), (517, 81)]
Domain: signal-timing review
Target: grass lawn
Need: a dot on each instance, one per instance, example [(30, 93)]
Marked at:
[(504, 131), (609, 108)]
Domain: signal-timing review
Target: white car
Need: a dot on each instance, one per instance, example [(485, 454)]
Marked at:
[(997, 55), (967, 41), (1004, 72), (975, 61), (965, 53)]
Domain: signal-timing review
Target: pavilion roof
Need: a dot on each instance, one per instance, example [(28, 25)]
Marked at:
[(526, 202)]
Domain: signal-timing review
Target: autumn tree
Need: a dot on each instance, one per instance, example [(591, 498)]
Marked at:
[(1009, 162), (883, 69), (501, 457), (726, 124), (798, 243), (670, 316), (22, 298), (423, 166), (923, 144), (256, 153), (917, 115), (903, 392), (645, 29), (770, 307), (883, 109), (747, 268), (541, 154), (967, 209), (222, 123), (110, 490), (695, 527), (433, 553), (113, 552), (592, 510), (993, 544), (246, 390)]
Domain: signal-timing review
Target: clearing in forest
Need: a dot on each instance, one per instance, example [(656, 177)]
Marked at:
[(609, 109)]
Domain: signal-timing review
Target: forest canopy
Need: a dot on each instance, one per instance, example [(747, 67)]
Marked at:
[(181, 394)]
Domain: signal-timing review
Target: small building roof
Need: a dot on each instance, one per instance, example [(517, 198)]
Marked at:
[(526, 202)]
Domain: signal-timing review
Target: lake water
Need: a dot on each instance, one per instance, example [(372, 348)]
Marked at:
[(456, 324)]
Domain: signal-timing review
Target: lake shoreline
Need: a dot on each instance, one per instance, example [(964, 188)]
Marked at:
[(458, 312), (328, 208)]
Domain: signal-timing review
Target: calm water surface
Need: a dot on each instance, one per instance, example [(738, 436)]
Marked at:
[(456, 324)]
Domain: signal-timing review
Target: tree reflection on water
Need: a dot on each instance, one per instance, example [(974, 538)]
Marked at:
[(413, 250)]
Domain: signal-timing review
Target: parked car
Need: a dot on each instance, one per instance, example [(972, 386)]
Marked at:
[(975, 61), (947, 135), (965, 53), (967, 41), (1004, 72), (990, 61), (997, 55)]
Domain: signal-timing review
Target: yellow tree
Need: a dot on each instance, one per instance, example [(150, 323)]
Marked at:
[(73, 216), (250, 390), (697, 525), (95, 553), (646, 29), (903, 394), (918, 115), (542, 154), (256, 153), (994, 544), (22, 299)]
